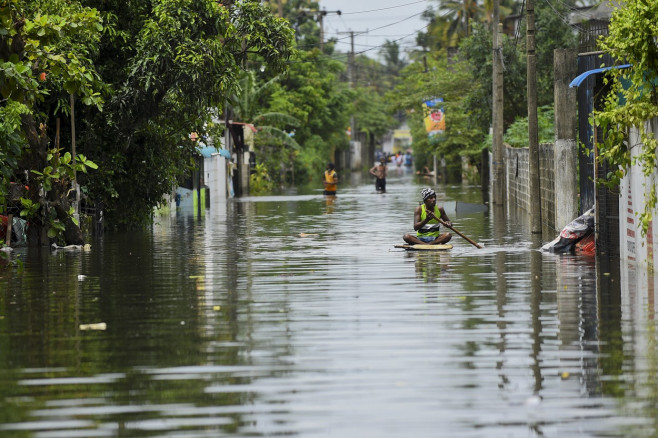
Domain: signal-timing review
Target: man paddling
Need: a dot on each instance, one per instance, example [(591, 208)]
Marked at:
[(426, 223)]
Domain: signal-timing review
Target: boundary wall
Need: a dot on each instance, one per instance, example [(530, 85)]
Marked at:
[(518, 180), (635, 247)]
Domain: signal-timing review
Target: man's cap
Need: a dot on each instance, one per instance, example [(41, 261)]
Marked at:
[(427, 192)]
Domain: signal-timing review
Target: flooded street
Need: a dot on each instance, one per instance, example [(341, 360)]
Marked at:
[(294, 315)]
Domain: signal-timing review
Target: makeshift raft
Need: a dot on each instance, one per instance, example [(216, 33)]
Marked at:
[(428, 247)]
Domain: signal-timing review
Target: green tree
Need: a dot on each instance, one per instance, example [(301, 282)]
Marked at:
[(45, 50), (249, 106), (312, 93), (393, 61), (373, 113), (553, 32), (451, 82), (166, 62), (478, 100), (632, 99), (517, 133)]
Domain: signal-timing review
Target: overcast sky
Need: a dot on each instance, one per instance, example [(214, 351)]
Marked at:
[(373, 22)]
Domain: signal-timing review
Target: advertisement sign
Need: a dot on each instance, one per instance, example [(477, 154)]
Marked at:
[(435, 122)]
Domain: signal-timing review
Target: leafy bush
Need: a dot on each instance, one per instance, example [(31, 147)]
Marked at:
[(517, 134)]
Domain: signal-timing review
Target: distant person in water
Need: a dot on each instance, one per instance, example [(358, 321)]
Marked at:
[(379, 172), (408, 159), (426, 222), (330, 180), (399, 159)]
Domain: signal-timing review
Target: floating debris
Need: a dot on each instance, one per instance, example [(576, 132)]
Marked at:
[(94, 326)]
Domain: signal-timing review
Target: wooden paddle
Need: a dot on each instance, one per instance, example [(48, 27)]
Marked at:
[(442, 222)]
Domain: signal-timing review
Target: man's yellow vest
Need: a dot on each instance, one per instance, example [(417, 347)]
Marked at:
[(431, 228), (330, 177)]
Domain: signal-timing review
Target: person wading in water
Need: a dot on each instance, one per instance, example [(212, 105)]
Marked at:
[(426, 223), (330, 180), (380, 173)]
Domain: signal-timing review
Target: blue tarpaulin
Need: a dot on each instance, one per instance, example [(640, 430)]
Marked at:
[(208, 151), (581, 77)]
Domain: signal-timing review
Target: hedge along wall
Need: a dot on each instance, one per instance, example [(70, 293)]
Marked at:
[(518, 180)]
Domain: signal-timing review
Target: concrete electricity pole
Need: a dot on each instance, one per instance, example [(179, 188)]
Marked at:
[(497, 112), (566, 146), (350, 76), (320, 17), (533, 136)]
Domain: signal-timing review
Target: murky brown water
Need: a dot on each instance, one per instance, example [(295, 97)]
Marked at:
[(234, 325)]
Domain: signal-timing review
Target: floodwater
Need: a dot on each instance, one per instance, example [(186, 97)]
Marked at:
[(294, 315)]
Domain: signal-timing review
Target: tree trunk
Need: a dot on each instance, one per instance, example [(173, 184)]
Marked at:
[(36, 158)]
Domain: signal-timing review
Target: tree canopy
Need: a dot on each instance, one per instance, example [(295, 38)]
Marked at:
[(148, 73)]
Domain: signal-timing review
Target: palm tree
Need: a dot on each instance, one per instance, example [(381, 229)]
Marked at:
[(247, 103), (392, 60)]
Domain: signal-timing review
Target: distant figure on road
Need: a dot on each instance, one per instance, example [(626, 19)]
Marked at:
[(330, 180), (408, 159), (379, 172), (426, 222), (399, 159)]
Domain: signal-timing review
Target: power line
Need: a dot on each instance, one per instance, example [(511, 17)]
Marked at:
[(397, 22), (396, 40), (383, 9), (561, 17), (367, 32)]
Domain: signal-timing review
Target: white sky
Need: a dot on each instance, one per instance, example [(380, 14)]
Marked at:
[(373, 22)]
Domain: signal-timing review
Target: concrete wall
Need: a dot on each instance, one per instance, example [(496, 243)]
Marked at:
[(517, 177), (518, 182), (215, 178), (547, 184), (634, 247)]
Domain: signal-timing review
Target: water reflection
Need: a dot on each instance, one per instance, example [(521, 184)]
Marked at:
[(294, 315), (430, 265)]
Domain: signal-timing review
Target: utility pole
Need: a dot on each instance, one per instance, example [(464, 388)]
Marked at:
[(358, 153), (533, 136), (320, 17), (566, 147), (497, 111), (350, 76), (497, 116)]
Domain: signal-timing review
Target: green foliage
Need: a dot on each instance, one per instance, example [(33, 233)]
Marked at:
[(12, 143), (311, 93), (260, 181), (165, 63), (552, 32), (517, 134), (60, 171), (374, 116), (393, 60), (451, 81), (478, 98), (250, 105), (46, 50), (453, 21), (632, 99)]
